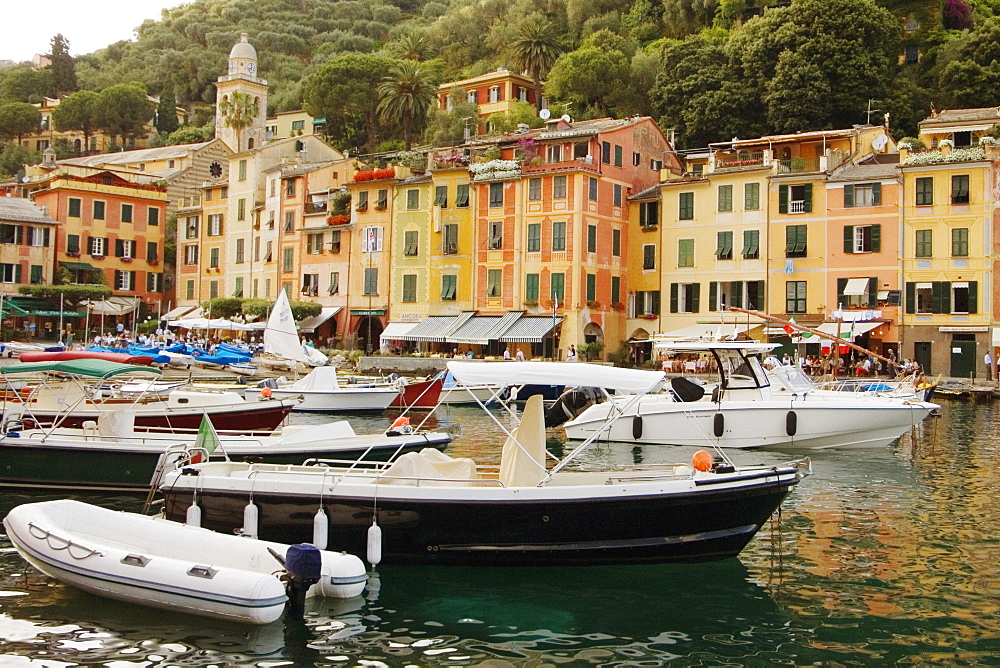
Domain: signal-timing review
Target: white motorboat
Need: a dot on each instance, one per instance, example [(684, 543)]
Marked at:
[(434, 509), (453, 393), (743, 410), (167, 565), (320, 391)]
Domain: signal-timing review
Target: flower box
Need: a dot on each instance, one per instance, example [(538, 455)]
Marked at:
[(126, 259), (338, 219), (72, 253), (97, 257), (153, 262), (650, 316)]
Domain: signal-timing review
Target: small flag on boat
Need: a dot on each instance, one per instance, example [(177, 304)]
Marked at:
[(208, 438), (790, 329)]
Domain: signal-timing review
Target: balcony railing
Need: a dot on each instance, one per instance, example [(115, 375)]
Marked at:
[(189, 202), (797, 206), (315, 207), (797, 165), (741, 160)]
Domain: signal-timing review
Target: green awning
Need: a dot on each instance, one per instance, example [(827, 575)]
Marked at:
[(90, 368), (58, 314), (79, 266)]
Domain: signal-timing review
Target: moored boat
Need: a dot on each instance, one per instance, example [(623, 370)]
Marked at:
[(321, 391)]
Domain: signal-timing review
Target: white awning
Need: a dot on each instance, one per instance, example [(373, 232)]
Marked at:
[(429, 329), (309, 325), (847, 330), (394, 331), (530, 329), (114, 305), (710, 331), (856, 287), (882, 294), (475, 330), (175, 313)]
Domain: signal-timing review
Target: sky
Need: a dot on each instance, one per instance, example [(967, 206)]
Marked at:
[(87, 24)]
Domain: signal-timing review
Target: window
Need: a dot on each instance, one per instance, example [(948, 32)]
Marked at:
[(685, 253), (125, 280), (240, 251), (591, 287), (685, 297), (862, 238), (751, 244), (462, 195), (649, 255), (74, 207), (795, 242), (911, 54), (35, 274), (592, 189), (208, 194), (636, 159), (494, 282), (409, 287), (534, 237), (685, 206), (494, 93), (960, 189), (126, 213), (289, 221), (189, 290), (942, 297), (618, 156), (863, 194), (618, 195), (649, 214), (242, 171), (724, 246), (152, 216), (655, 165), (412, 199), (125, 248), (648, 302), (616, 243), (11, 234), (473, 96), (152, 252), (98, 210), (557, 287), (288, 258), (925, 191), (449, 287), (371, 281), (97, 246), (289, 187), (496, 194), (335, 241), (73, 243), (531, 287), (382, 201), (410, 243), (191, 254), (449, 240), (923, 246), (224, 192), (795, 297), (441, 196), (334, 283), (238, 292), (795, 199), (362, 201), (10, 273), (751, 196), (154, 282), (213, 289), (213, 258), (39, 236), (606, 152), (559, 236), (314, 244), (725, 198), (616, 289), (215, 225), (269, 252), (553, 153), (241, 209), (496, 235), (591, 238), (559, 186), (298, 125), (960, 242), (191, 225), (371, 239)]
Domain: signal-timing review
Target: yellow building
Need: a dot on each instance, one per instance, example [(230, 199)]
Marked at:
[(287, 124), (493, 92)]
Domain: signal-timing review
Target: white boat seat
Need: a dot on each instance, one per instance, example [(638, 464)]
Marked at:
[(430, 467)]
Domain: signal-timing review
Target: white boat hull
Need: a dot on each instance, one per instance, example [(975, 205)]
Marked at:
[(819, 424), (164, 564), (343, 399)]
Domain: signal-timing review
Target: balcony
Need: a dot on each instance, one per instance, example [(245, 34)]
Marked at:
[(562, 166), (798, 165), (315, 207), (188, 203), (797, 206), (741, 160)]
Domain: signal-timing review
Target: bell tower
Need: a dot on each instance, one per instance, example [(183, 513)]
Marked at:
[(242, 77)]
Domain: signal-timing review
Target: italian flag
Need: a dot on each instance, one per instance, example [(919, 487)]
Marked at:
[(789, 329), (207, 439)]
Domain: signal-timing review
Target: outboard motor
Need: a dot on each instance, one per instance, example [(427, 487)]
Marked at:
[(571, 403), (303, 568)]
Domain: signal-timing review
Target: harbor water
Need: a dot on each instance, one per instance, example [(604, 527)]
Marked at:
[(884, 556)]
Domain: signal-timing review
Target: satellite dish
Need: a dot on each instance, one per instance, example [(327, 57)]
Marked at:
[(565, 118), (880, 142), (544, 114)]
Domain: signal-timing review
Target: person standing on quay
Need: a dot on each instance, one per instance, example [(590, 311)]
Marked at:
[(988, 361)]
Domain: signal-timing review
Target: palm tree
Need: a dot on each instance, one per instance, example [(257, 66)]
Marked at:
[(238, 112), (535, 49), (411, 46), (405, 95)]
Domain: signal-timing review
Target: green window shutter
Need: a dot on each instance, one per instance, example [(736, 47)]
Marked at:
[(761, 297), (848, 238), (782, 199), (945, 297), (807, 195), (616, 289), (655, 301), (17, 272), (713, 297), (848, 196), (441, 196), (877, 238), (73, 243), (47, 237), (695, 297), (872, 291), (673, 297), (973, 296), (876, 193), (736, 294), (841, 286), (911, 297)]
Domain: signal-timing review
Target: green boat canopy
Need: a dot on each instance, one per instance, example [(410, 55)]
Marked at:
[(90, 368)]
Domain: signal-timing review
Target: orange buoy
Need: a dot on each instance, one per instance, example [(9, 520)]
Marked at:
[(265, 392), (702, 461)]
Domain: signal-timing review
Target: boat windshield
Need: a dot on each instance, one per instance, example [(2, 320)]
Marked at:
[(742, 371), (792, 378)]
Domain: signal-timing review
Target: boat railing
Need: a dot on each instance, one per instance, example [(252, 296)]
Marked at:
[(130, 439)]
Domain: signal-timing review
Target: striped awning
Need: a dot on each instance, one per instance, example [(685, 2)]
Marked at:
[(530, 329), (429, 329), (476, 330)]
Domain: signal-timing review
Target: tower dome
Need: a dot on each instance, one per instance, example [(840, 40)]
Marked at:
[(243, 49)]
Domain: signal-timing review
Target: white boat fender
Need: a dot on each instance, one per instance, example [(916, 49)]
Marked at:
[(304, 566), (251, 517), (791, 423), (193, 515), (719, 425), (321, 529), (374, 544)]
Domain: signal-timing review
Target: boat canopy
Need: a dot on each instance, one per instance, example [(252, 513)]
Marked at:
[(90, 368), (575, 374), (706, 346)]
